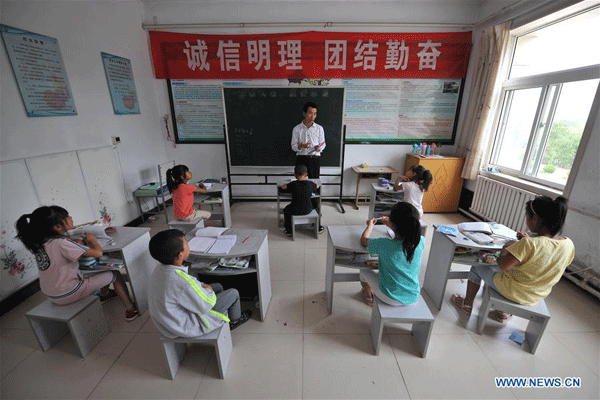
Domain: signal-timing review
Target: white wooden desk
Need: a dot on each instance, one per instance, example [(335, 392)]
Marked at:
[(221, 190), (131, 245), (257, 247), (160, 194), (441, 257), (370, 173), (376, 199), (281, 195), (342, 239)]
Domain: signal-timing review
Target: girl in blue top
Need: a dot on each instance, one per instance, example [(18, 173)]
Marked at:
[(397, 282)]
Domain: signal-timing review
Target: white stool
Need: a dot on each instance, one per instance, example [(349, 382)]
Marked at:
[(417, 314), (184, 226), (310, 218), (537, 315), (84, 319), (220, 339)]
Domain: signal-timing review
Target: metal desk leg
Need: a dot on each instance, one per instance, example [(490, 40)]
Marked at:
[(329, 272), (357, 191)]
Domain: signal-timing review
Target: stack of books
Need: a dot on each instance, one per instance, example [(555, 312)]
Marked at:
[(151, 189)]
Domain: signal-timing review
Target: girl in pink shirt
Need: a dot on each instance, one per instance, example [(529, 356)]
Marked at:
[(183, 194), (43, 232)]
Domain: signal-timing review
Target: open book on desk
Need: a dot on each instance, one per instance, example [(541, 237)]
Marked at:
[(221, 244), (97, 230)]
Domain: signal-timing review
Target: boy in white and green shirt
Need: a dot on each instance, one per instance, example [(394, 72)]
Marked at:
[(180, 305)]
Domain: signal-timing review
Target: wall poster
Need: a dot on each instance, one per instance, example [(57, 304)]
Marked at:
[(121, 85), (40, 72)]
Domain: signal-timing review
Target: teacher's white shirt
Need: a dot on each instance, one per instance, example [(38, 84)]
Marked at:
[(314, 135)]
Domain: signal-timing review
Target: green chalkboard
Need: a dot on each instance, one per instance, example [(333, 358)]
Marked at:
[(260, 122)]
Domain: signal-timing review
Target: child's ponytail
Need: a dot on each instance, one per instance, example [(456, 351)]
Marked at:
[(422, 176), (174, 176), (36, 228), (405, 219)]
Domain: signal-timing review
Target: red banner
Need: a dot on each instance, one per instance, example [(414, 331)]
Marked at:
[(314, 55)]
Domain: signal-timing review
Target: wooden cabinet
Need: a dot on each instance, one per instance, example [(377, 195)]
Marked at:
[(444, 191)]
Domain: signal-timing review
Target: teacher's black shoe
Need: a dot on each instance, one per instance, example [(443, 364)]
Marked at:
[(321, 229), (287, 233)]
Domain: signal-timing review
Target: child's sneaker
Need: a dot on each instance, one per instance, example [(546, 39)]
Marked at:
[(288, 233), (245, 317), (321, 229), (109, 296), (130, 315)]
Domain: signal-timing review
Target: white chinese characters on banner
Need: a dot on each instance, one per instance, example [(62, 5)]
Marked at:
[(335, 54), (428, 56), (290, 55), (196, 55), (229, 55), (290, 52), (396, 56), (365, 55), (259, 52)]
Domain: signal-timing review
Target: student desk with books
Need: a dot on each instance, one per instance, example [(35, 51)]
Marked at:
[(217, 194), (249, 242), (343, 247), (383, 199), (370, 173), (441, 257), (131, 246)]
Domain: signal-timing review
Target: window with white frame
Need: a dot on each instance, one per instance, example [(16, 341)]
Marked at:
[(547, 99)]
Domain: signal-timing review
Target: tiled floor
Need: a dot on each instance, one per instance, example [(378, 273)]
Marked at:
[(302, 352)]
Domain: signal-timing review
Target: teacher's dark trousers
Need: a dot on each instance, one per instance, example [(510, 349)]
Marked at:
[(313, 164)]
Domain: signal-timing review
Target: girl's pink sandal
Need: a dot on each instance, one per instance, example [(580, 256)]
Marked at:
[(459, 302)]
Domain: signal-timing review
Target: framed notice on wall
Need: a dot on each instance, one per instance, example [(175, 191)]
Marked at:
[(40, 72), (197, 107), (402, 110), (121, 85)]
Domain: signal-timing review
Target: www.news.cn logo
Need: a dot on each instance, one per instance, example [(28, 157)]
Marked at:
[(538, 382)]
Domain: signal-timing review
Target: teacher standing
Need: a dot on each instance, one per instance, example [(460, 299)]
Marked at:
[(308, 141)]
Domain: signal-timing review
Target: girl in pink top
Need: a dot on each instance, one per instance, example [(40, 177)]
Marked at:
[(183, 194), (43, 232)]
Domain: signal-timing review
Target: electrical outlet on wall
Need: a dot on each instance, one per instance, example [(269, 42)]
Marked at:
[(116, 140)]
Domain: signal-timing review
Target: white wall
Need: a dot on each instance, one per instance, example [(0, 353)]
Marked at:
[(206, 159), (83, 30)]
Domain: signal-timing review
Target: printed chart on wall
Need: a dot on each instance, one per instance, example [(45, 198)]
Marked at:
[(121, 85), (40, 72), (401, 111), (197, 107)]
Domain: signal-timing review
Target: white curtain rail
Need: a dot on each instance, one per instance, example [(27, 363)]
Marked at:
[(221, 25)]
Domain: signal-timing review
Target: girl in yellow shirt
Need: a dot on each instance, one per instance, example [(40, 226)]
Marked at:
[(528, 268)]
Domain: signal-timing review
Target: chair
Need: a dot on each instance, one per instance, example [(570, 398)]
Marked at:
[(162, 180), (175, 349), (310, 218), (417, 314), (84, 319), (537, 315), (184, 226)]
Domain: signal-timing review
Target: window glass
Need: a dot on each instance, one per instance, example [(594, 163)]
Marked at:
[(568, 44), (520, 107), (570, 117)]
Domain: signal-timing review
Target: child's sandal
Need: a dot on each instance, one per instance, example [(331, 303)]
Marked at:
[(459, 302), (501, 316), (366, 298)]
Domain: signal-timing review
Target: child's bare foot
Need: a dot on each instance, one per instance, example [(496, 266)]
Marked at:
[(459, 302), (367, 297)]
